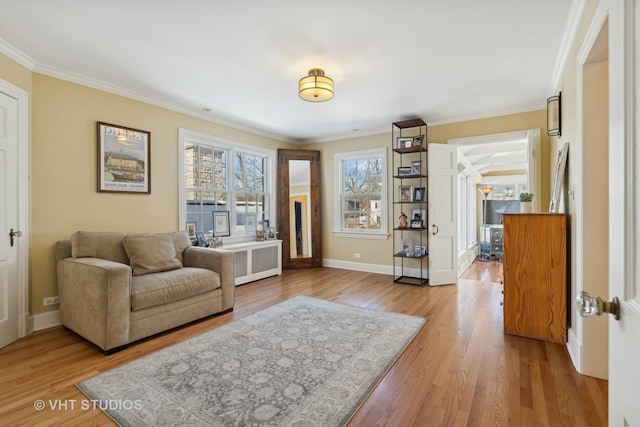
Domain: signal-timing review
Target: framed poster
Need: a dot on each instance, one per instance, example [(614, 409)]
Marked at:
[(221, 223), (124, 155), (558, 178)]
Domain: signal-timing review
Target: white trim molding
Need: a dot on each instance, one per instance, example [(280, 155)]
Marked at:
[(23, 202)]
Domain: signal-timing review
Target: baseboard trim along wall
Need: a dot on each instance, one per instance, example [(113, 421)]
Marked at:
[(45, 321), (358, 266)]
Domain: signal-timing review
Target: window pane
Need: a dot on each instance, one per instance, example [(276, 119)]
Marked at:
[(375, 212), (362, 193), (211, 181)]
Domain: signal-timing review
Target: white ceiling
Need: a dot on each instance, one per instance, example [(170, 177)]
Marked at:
[(500, 157), (441, 60)]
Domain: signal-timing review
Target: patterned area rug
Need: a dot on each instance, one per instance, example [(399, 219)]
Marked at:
[(302, 362)]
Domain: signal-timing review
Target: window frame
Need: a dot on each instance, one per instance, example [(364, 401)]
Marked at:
[(186, 136), (467, 209), (339, 159)]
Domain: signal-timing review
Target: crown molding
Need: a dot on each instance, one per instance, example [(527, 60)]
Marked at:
[(13, 53), (120, 91), (575, 13)]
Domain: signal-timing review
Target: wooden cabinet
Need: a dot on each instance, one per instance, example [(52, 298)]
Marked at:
[(535, 276)]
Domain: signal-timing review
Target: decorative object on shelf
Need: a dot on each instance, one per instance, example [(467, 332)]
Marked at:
[(191, 228), (416, 223), (416, 167), (554, 115), (420, 251), (259, 235), (221, 223), (418, 194), (418, 214), (404, 193), (202, 240), (486, 190), (265, 225), (316, 87), (558, 178), (403, 220), (271, 233), (417, 141), (404, 171), (124, 159), (406, 247), (404, 142), (526, 204)]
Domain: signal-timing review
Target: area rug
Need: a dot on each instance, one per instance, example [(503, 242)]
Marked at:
[(302, 362)]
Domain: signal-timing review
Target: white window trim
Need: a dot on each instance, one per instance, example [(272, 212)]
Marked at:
[(185, 135), (337, 218)]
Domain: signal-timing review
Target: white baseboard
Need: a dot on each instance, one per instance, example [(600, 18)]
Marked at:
[(466, 259), (358, 266), (45, 321), (575, 350)]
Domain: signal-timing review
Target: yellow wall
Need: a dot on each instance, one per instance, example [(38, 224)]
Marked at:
[(15, 73), (583, 147), (64, 161), (380, 251), (595, 243), (64, 170)]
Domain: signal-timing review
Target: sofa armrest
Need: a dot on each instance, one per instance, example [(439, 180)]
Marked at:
[(220, 261), (95, 299)]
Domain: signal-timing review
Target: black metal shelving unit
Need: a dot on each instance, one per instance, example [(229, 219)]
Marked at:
[(410, 178)]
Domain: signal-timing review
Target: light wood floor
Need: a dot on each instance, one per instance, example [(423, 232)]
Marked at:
[(461, 369)]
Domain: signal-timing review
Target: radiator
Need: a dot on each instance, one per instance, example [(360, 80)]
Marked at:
[(256, 260)]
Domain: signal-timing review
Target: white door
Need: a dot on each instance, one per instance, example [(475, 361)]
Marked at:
[(443, 222), (624, 212), (8, 219)]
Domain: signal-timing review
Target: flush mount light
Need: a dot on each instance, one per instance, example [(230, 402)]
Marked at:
[(316, 87)]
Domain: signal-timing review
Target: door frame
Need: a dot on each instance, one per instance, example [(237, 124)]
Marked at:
[(532, 136), (25, 324), (576, 331)]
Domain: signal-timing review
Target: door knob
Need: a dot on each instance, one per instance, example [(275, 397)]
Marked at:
[(435, 228), (588, 305), (13, 234)]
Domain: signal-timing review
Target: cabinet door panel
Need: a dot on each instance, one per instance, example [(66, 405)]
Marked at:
[(534, 251)]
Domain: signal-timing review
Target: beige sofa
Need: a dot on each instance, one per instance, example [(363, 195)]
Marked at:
[(117, 288)]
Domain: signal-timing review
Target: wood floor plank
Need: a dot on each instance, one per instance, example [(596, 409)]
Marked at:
[(461, 369)]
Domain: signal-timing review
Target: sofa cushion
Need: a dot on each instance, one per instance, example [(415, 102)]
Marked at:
[(151, 253), (99, 244), (181, 241), (151, 290)]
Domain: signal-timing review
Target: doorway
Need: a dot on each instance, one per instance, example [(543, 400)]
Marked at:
[(509, 162)]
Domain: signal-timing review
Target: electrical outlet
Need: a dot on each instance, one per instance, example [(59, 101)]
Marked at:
[(356, 255), (50, 300)]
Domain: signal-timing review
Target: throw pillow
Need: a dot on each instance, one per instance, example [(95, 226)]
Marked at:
[(181, 242), (151, 253), (99, 244)]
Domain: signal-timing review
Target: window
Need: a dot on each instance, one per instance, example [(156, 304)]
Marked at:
[(221, 176), (507, 191), (361, 193), (466, 213)]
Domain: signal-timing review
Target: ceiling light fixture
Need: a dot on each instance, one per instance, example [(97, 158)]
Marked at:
[(316, 87)]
